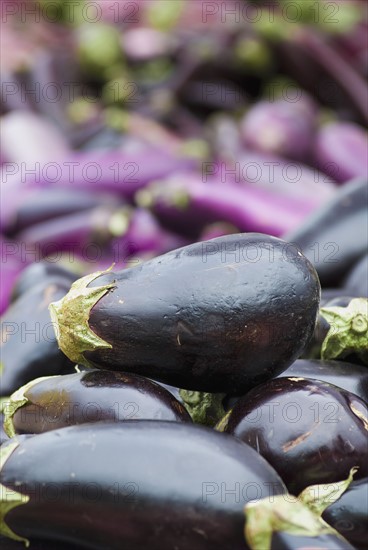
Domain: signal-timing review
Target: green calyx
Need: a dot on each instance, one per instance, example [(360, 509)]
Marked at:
[(348, 330), (299, 516), (204, 408), (17, 400), (70, 317), (9, 499)]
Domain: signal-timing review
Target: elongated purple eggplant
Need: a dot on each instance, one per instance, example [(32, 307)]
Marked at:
[(29, 347), (249, 208), (349, 514), (341, 150), (77, 231), (348, 376), (336, 235), (310, 431), (38, 272), (121, 484), (284, 178), (357, 278), (30, 206), (281, 127), (121, 173), (215, 316), (54, 402)]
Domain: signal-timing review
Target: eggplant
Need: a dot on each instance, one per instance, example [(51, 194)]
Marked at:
[(11, 267), (311, 432), (348, 376), (281, 127), (343, 294), (204, 200), (88, 231), (27, 207), (341, 150), (357, 278), (244, 311), (336, 235), (121, 484), (55, 402), (38, 272), (29, 346), (349, 514)]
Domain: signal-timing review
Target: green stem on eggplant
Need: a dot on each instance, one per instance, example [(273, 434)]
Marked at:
[(348, 330), (204, 408)]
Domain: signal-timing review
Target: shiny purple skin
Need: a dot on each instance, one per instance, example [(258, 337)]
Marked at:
[(188, 197), (26, 207), (341, 150), (91, 396), (311, 432), (28, 344), (217, 316), (169, 483), (287, 541), (282, 127)]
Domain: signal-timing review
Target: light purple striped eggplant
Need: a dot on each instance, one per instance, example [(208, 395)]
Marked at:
[(282, 177), (281, 127), (341, 150), (249, 208), (119, 172)]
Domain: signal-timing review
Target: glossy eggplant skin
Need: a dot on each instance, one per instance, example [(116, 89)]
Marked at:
[(119, 485), (217, 316), (336, 236), (349, 514), (286, 541), (83, 397), (29, 347), (37, 272), (348, 376), (311, 432)]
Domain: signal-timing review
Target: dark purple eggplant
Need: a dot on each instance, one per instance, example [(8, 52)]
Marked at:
[(29, 347), (58, 401), (27, 207), (117, 485), (11, 267), (3, 434), (38, 272), (310, 431), (245, 309), (349, 514), (357, 278), (348, 376), (336, 236), (329, 294), (341, 150)]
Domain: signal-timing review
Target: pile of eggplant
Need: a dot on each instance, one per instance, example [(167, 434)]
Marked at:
[(184, 289)]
